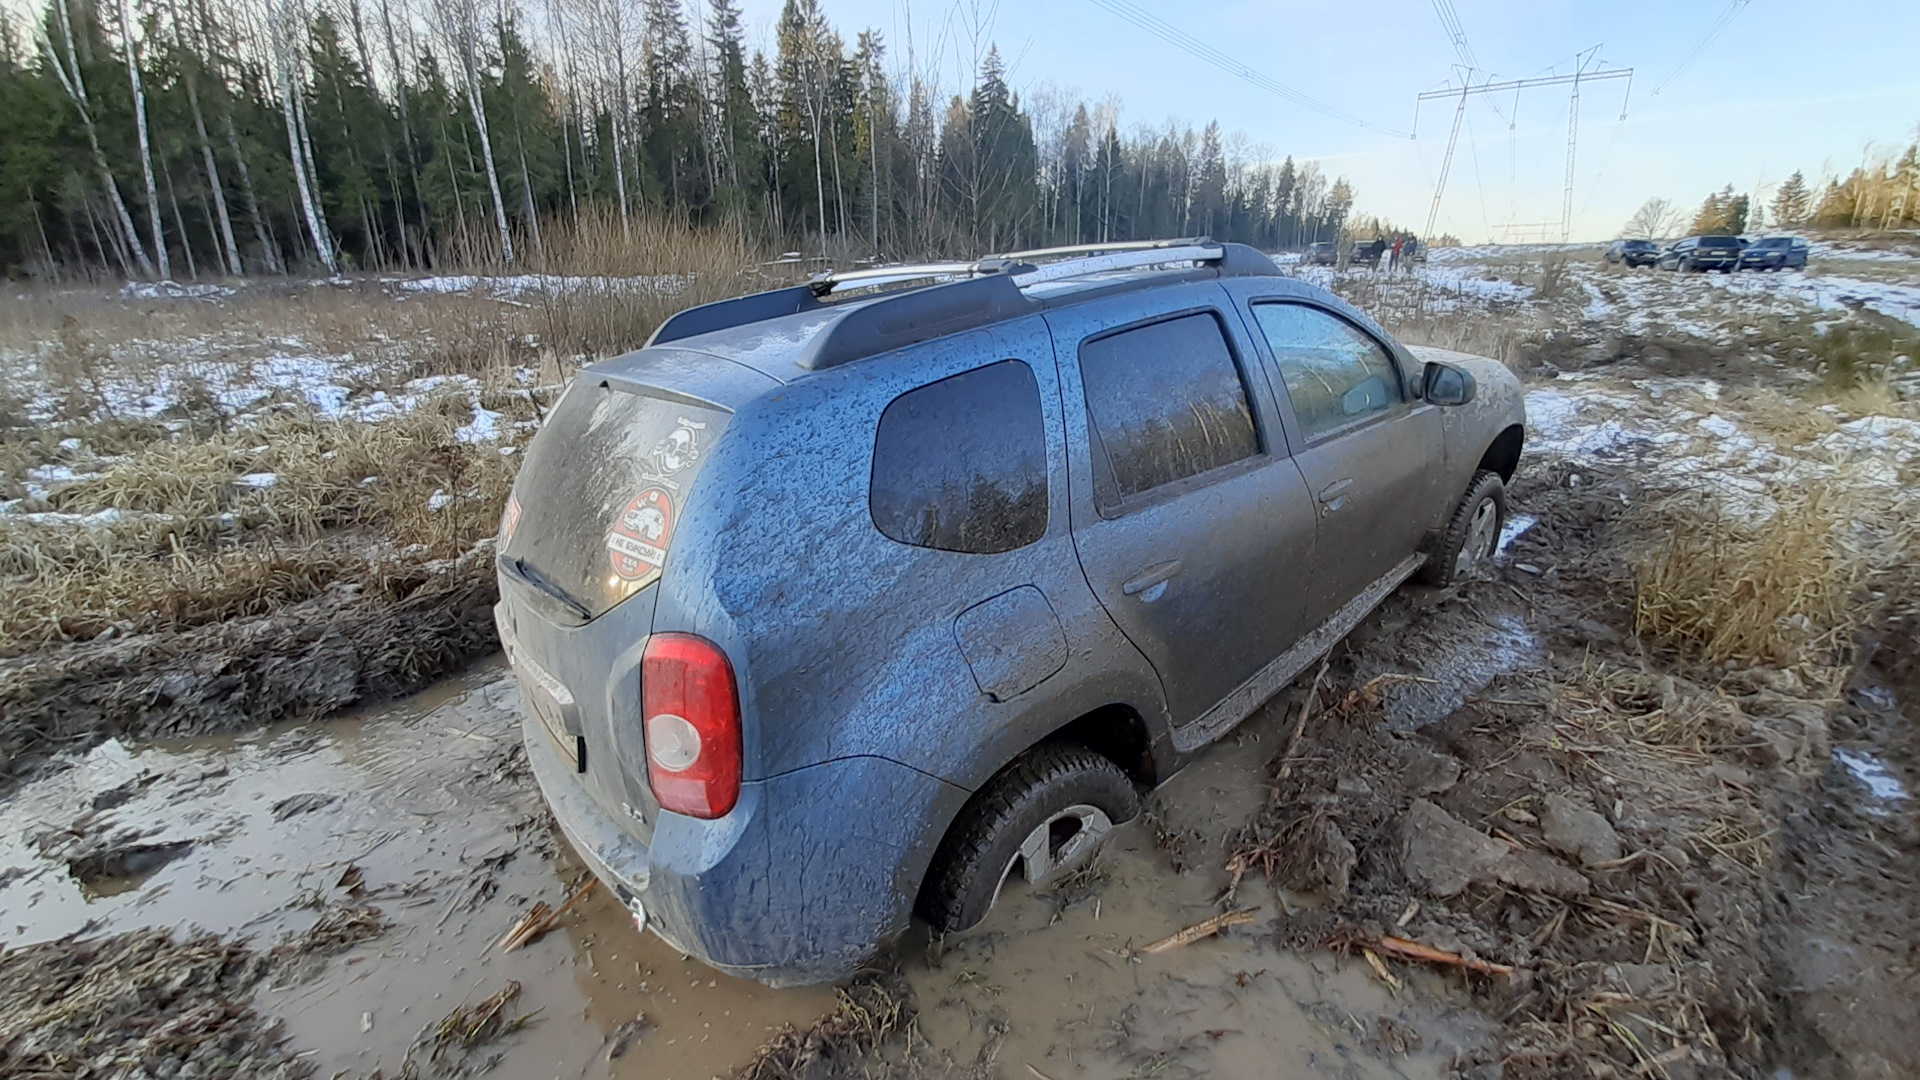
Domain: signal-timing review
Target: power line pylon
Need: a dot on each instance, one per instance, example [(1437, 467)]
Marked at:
[(1468, 89)]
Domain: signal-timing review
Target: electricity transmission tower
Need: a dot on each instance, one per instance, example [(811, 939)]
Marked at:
[(1468, 88)]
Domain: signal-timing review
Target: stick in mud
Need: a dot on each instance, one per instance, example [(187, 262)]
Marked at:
[(1306, 711), (1413, 950), (540, 918), (1205, 929)]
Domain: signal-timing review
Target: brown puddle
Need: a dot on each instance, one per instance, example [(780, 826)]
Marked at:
[(428, 800)]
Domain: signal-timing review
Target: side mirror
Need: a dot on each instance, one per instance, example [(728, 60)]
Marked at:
[(1444, 384)]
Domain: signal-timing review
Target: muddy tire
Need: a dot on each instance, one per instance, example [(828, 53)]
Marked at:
[(1042, 817), (1473, 531)]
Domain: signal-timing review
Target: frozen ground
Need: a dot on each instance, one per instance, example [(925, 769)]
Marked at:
[(432, 818)]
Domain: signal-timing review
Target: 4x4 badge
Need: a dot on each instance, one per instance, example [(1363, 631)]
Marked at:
[(637, 543)]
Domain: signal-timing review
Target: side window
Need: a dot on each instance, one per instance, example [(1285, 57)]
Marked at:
[(1335, 374), (1164, 401), (961, 464)]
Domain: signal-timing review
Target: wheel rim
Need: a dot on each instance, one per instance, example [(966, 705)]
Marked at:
[(1482, 532), (1058, 846)]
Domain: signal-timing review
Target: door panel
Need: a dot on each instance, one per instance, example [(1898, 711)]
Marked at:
[(1371, 450), (1192, 524)]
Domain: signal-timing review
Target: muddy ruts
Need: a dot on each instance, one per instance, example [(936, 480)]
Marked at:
[(347, 646)]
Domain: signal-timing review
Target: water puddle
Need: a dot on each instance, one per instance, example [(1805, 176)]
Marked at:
[(1055, 985), (1516, 527), (423, 807), (1434, 667)]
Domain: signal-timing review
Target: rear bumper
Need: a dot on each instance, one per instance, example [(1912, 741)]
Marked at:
[(808, 875)]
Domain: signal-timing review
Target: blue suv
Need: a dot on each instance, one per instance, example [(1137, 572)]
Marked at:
[(871, 595), (1775, 253)]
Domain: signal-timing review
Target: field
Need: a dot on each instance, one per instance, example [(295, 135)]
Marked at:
[(1657, 761)]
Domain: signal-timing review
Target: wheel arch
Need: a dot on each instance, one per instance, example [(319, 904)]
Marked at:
[(1503, 454)]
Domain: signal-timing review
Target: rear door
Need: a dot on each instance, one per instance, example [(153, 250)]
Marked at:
[(1193, 526), (1367, 447)]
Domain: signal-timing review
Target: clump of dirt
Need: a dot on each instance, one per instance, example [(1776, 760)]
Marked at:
[(137, 1004), (343, 647), (1603, 820), (852, 1039)]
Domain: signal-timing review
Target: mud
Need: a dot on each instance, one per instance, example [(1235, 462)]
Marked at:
[(306, 660), (1685, 882)]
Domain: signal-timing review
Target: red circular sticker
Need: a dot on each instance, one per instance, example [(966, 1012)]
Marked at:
[(637, 543)]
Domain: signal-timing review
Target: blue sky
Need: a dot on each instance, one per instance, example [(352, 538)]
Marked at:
[(1783, 86)]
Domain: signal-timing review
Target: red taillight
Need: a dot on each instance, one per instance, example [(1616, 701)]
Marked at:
[(692, 725)]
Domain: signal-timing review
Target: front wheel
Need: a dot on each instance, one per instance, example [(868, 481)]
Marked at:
[(1473, 533), (1042, 817)]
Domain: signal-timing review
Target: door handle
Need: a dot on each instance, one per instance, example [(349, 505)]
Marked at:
[(1335, 490), (1148, 584)]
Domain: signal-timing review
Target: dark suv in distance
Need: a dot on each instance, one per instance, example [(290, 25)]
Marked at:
[(1702, 253), (862, 597), (1632, 253), (1775, 253), (1323, 253)]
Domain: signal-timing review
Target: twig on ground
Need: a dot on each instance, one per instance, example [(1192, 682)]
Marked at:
[(1306, 712), (1413, 950), (1204, 929), (540, 918)]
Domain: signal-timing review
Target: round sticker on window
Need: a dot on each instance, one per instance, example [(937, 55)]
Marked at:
[(637, 543)]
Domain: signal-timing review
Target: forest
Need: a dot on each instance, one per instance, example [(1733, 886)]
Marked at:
[(181, 139)]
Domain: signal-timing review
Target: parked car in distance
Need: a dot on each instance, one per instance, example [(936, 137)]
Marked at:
[(867, 596), (1775, 253), (1323, 253), (1415, 251), (1367, 253), (1702, 253), (1632, 253)]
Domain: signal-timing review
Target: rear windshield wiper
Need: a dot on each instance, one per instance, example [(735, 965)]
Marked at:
[(525, 572)]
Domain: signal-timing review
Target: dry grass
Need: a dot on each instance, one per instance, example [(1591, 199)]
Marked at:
[(847, 1041), (1781, 590), (635, 276), (352, 502)]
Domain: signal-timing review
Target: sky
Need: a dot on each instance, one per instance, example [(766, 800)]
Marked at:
[(1781, 87)]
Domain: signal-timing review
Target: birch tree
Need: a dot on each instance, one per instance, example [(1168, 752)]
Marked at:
[(73, 83), (286, 23), (130, 53), (459, 23)]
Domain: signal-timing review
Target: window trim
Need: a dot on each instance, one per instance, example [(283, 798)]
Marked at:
[(1407, 400), (1046, 464), (1101, 463)]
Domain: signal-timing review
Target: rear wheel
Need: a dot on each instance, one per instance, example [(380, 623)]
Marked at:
[(1473, 532), (1040, 819)]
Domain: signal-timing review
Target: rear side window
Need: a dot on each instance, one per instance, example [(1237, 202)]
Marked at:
[(961, 464), (1165, 402), (1335, 374)]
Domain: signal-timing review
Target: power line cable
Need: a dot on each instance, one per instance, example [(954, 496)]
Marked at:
[(1186, 42), (1719, 24)]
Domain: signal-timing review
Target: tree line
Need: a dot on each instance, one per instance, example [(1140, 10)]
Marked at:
[(1883, 192), (177, 138)]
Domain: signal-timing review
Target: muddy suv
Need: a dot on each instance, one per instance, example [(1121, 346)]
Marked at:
[(862, 597)]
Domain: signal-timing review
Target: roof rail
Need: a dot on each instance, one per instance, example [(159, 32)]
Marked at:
[(823, 285), (968, 294), (1091, 249), (1118, 260)]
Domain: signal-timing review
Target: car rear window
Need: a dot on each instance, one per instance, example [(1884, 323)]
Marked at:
[(596, 504), (961, 464), (1719, 242), (1166, 401)]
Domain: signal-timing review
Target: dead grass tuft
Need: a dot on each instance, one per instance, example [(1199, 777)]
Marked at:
[(1780, 590), (864, 1015)]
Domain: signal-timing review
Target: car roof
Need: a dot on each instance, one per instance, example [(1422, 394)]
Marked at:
[(787, 333)]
